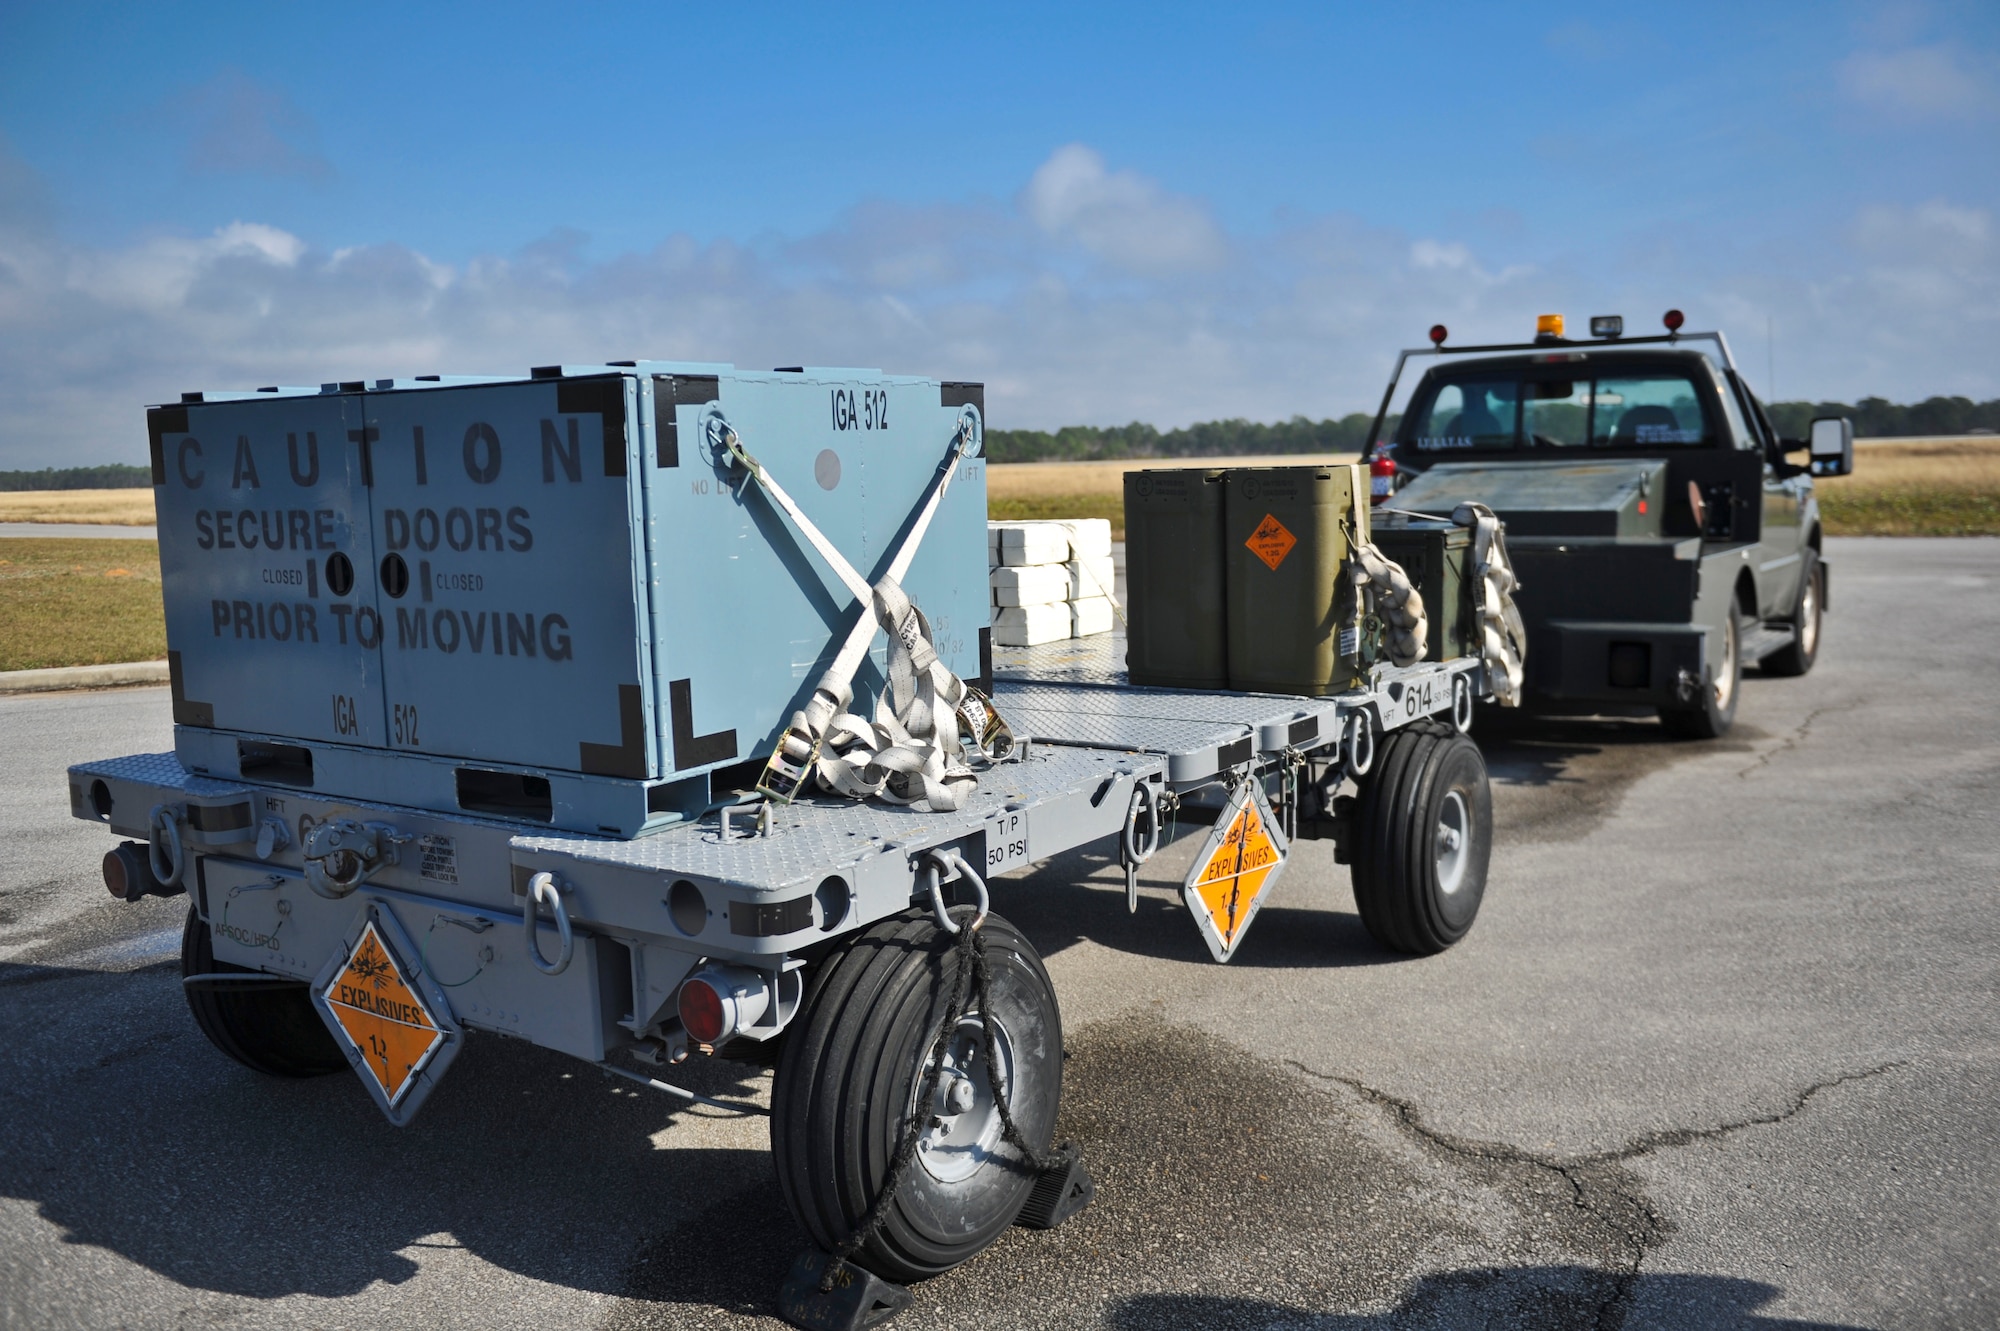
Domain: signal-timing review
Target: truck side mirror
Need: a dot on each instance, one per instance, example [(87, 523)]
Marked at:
[(1832, 446)]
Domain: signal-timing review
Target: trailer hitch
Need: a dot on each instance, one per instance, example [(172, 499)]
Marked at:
[(341, 853)]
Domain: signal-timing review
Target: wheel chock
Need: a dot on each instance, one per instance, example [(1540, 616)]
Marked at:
[(858, 1298), (1063, 1189)]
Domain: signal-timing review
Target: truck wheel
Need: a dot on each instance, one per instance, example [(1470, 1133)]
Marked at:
[(852, 1064), (1425, 830), (1714, 711), (272, 1028), (1798, 656)]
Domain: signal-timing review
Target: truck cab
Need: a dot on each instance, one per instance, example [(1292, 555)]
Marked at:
[(1661, 534)]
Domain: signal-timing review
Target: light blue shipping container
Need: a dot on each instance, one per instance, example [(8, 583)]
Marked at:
[(541, 598)]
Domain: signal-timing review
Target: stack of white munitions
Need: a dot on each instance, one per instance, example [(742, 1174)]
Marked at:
[(1051, 580)]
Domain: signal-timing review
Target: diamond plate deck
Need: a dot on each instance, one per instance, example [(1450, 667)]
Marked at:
[(1076, 692)]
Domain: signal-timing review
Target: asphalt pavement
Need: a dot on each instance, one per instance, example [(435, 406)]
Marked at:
[(1720, 1051), (78, 530)]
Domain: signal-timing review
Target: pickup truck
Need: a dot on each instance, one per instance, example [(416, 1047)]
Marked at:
[(1662, 537)]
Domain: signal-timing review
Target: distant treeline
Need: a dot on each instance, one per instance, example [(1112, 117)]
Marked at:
[(112, 476), (1873, 417), (1876, 418), (1210, 439)]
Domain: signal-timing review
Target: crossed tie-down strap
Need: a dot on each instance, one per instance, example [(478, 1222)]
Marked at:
[(1407, 632), (929, 725), (1503, 639)]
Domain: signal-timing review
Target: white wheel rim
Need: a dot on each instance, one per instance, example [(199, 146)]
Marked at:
[(965, 1122), (1725, 678), (1454, 842), (1809, 615)]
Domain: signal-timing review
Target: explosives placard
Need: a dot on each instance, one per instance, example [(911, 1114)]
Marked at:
[(398, 1038), (1238, 865), (1272, 541)]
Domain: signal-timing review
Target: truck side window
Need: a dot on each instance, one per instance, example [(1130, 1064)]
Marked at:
[(1647, 410), (1740, 433)]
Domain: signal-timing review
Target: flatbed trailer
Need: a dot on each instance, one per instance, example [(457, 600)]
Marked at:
[(594, 968), (457, 846)]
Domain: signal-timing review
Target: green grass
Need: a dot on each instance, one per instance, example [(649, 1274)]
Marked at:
[(1914, 512), (1110, 506), (65, 603)]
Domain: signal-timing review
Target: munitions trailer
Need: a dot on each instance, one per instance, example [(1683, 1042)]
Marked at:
[(473, 686)]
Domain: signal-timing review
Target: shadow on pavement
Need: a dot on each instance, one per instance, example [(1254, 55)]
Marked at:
[(128, 1132), (1533, 1298), (1059, 904)]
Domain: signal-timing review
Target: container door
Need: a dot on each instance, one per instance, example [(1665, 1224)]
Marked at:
[(506, 574), (266, 552)]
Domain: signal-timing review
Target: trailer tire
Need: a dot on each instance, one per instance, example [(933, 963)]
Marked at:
[(1797, 656), (1425, 833), (852, 1062), (274, 1030), (1711, 715)]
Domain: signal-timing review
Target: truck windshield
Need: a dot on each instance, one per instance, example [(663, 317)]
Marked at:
[(1630, 409)]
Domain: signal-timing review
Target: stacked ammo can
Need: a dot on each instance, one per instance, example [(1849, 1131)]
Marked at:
[(1050, 580), (1235, 578)]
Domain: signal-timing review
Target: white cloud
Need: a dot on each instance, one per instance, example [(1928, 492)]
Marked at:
[(1120, 216), (1304, 319), (1918, 82)]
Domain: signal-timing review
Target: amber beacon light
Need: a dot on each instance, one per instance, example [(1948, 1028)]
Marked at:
[(1549, 325)]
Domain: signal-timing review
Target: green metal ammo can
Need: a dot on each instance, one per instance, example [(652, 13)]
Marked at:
[(1176, 634), (1434, 554), (1286, 538)]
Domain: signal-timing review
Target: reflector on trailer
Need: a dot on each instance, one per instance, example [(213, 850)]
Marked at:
[(701, 1011)]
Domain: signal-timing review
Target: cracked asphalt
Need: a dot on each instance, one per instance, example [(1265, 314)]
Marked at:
[(1722, 1050)]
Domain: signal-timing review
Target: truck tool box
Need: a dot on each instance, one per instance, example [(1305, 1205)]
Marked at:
[(474, 681)]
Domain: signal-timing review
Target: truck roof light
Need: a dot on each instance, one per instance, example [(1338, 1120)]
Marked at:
[(1549, 325), (1673, 320), (1438, 335), (1607, 325)]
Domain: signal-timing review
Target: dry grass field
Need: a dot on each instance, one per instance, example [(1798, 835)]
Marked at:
[(122, 508), (79, 602), (1900, 487)]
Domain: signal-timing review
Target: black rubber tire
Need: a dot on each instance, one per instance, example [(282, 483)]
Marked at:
[(1395, 868), (1798, 656), (1708, 717), (274, 1030), (851, 1062)]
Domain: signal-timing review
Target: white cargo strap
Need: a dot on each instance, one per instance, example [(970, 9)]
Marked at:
[(913, 751), (1407, 635), (1503, 640)]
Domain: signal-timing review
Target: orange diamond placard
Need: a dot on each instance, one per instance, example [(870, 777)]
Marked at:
[(1241, 860), (383, 1017), (1271, 542)]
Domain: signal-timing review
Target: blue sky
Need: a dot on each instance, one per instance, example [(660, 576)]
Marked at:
[(1107, 212)]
